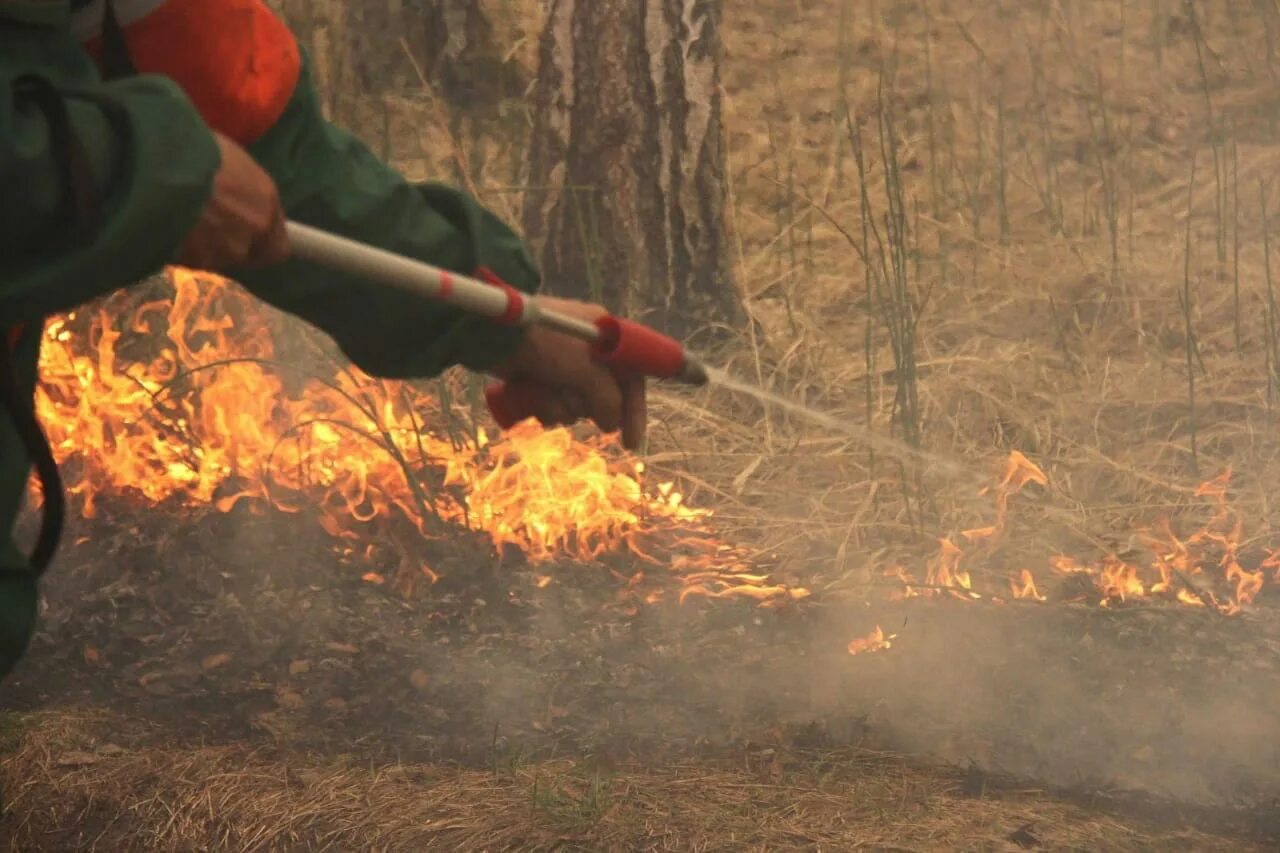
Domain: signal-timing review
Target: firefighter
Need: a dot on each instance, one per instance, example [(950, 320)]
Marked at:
[(139, 133)]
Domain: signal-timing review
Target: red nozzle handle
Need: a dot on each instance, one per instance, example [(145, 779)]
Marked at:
[(630, 347), (623, 345)]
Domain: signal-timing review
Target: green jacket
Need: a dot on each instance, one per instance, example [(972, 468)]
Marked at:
[(153, 160)]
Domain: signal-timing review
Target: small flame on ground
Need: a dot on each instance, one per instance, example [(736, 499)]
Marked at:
[(1024, 588), (1203, 570), (1180, 570), (874, 642)]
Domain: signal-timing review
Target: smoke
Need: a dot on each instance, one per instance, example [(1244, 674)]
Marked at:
[(1176, 704)]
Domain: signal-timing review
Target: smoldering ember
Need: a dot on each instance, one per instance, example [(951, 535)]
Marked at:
[(952, 527)]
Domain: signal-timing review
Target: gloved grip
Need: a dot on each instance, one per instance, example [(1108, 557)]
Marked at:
[(623, 345)]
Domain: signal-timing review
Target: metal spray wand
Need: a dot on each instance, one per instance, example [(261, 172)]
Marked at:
[(623, 345)]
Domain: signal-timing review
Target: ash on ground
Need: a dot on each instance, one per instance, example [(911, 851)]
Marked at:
[(234, 627)]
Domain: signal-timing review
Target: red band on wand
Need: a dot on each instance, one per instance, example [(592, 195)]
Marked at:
[(515, 299)]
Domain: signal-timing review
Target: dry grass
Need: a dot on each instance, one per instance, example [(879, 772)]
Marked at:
[(78, 782), (1053, 266)]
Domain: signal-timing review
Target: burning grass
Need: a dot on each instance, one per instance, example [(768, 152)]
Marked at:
[(204, 414), (1203, 569)]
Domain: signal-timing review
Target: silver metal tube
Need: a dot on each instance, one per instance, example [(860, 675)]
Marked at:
[(422, 279), (569, 325)]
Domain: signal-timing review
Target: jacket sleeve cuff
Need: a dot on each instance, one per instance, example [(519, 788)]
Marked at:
[(152, 161)]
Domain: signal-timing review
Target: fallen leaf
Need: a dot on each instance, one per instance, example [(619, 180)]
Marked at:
[(92, 656), (419, 679), (343, 648), (300, 667), (215, 661), (335, 705)]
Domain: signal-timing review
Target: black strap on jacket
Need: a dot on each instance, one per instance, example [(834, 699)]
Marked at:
[(18, 403), (78, 208)]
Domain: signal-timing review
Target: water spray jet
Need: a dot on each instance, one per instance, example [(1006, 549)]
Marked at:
[(624, 345)]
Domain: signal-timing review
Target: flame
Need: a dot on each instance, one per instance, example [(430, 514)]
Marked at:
[(1024, 587), (1018, 473), (944, 569), (1119, 580), (874, 642), (904, 577), (1272, 562), (181, 402), (1067, 565), (1204, 569)]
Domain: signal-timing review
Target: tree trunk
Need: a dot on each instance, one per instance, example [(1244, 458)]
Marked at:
[(464, 60), (627, 188), (358, 49), (354, 50)]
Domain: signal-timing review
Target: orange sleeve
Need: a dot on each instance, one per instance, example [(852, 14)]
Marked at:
[(238, 63)]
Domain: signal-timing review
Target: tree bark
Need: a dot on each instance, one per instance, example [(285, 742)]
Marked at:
[(626, 194), (358, 49), (463, 58)]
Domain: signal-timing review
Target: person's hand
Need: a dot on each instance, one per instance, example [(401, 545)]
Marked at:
[(243, 222), (569, 384)]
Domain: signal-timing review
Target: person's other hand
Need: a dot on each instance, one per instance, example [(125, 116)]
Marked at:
[(243, 222), (569, 385)]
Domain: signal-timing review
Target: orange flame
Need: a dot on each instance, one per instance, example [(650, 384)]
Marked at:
[(1018, 473), (1024, 587), (180, 401), (944, 569), (1119, 580), (874, 642), (1210, 557)]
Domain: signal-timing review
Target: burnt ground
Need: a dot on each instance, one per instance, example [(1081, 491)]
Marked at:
[(238, 632)]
